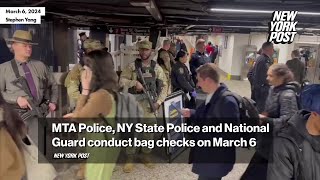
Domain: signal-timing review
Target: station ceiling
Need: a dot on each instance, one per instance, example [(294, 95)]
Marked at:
[(178, 16)]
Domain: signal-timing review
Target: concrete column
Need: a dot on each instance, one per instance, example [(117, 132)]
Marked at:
[(233, 57), (98, 35), (62, 49), (129, 40), (112, 39)]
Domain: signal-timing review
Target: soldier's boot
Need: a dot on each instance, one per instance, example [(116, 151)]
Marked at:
[(146, 160), (128, 166)]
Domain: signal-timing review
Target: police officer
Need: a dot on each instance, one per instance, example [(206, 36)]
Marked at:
[(73, 79), (198, 58), (259, 81), (152, 73), (39, 80), (181, 78), (165, 62)]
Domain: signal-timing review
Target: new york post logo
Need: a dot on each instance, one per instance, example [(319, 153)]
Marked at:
[(282, 28)]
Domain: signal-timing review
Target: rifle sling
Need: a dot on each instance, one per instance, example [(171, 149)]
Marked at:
[(24, 84)]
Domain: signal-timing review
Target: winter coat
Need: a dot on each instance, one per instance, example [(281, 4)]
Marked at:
[(280, 106), (214, 161), (296, 153)]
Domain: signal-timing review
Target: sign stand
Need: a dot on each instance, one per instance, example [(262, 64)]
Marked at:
[(172, 114)]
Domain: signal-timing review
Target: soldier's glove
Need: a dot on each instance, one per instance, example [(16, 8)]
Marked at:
[(194, 94)]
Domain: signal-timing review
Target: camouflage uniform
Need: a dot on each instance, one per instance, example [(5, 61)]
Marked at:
[(128, 79), (167, 67), (73, 79)]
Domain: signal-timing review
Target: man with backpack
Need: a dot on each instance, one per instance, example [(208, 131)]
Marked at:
[(146, 80), (213, 162), (296, 149)]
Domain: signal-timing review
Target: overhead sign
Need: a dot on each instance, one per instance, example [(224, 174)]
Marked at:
[(128, 31), (236, 30)]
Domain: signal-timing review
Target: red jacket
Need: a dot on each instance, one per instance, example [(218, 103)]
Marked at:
[(209, 49)]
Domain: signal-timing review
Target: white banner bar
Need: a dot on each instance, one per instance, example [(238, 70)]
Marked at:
[(21, 15)]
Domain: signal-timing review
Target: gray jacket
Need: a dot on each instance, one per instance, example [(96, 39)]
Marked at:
[(280, 106), (282, 103), (296, 154), (43, 79)]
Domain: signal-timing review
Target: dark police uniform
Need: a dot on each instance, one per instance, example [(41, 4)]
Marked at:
[(197, 59), (181, 79)]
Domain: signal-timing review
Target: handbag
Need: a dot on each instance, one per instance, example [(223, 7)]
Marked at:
[(34, 169)]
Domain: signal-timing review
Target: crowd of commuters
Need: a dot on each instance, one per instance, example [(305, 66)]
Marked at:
[(290, 151)]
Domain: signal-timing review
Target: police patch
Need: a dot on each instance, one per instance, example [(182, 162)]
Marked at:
[(181, 70)]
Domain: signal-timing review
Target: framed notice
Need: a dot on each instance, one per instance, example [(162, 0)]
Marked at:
[(171, 107)]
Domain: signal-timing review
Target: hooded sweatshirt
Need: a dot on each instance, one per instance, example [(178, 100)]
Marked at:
[(296, 153)]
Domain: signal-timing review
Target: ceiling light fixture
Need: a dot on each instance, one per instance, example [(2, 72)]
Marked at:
[(256, 11)]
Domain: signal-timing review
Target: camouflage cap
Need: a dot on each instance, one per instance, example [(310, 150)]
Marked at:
[(145, 45), (92, 44)]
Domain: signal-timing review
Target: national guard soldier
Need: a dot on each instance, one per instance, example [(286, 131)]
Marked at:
[(72, 81), (133, 77), (27, 84), (181, 79), (165, 62)]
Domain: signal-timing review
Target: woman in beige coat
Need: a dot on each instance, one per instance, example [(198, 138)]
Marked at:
[(12, 130)]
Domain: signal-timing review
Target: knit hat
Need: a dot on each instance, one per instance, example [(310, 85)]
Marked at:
[(310, 98)]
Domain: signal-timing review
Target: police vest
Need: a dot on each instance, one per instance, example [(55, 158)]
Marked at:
[(148, 74)]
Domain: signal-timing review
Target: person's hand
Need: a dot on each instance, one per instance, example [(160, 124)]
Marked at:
[(52, 107), (194, 94), (262, 119), (70, 115), (156, 106), (186, 112), (139, 86), (261, 116), (86, 77), (23, 103)]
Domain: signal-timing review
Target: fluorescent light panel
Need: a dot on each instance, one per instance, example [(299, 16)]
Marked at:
[(257, 11)]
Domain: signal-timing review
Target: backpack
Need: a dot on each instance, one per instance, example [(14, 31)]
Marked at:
[(128, 110), (127, 107), (249, 114)]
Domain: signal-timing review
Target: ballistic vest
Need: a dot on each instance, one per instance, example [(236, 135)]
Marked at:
[(149, 75)]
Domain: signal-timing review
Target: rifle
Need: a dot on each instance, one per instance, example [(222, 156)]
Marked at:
[(37, 111), (148, 92)]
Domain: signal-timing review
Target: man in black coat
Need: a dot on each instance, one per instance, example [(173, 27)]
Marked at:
[(212, 162), (260, 84), (296, 149), (296, 66)]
